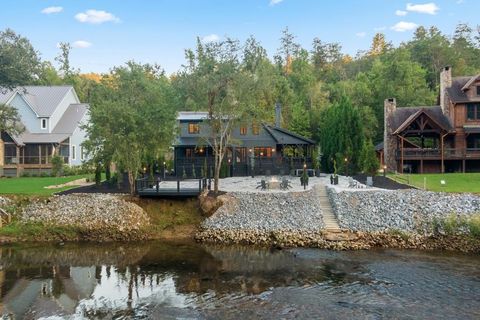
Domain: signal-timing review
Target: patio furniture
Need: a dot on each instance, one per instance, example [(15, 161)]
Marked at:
[(285, 184), (263, 185)]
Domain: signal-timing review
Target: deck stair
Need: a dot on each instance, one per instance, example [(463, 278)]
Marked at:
[(331, 223)]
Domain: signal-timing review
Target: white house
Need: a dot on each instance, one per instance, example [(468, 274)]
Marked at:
[(53, 117)]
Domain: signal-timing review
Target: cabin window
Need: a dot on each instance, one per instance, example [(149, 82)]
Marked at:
[(74, 152), (243, 130), (263, 152), (473, 112), (256, 129), (43, 123), (189, 153), (193, 128), (478, 90)]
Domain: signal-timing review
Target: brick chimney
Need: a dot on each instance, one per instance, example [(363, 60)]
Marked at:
[(389, 141), (445, 82), (278, 114)]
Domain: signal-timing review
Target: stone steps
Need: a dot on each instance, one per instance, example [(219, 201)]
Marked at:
[(331, 223)]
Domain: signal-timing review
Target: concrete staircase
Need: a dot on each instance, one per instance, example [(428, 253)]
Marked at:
[(331, 223)]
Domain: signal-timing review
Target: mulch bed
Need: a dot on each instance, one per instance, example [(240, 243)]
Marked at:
[(382, 182)]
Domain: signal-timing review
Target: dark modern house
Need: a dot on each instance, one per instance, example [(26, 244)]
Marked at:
[(258, 148), (443, 138)]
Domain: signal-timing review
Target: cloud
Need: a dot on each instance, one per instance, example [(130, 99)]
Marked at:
[(428, 8), (401, 13), (81, 44), (210, 38), (274, 2), (403, 26), (50, 10), (96, 17), (361, 34)]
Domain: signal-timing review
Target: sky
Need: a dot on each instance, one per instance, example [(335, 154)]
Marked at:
[(107, 33)]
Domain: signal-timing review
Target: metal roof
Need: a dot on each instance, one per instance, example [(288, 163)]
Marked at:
[(192, 115), (283, 136), (43, 99), (71, 118), (28, 137)]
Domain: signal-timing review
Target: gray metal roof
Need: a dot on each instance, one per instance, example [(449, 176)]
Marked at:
[(71, 118), (28, 137), (192, 115), (43, 99)]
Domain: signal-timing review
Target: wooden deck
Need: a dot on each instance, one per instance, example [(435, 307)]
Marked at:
[(179, 188)]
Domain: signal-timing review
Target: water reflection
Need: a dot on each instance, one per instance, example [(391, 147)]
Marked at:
[(185, 280)]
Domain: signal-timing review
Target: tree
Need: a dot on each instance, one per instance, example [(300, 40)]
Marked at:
[(215, 79), (19, 62), (369, 160), (341, 136), (132, 118), (10, 120)]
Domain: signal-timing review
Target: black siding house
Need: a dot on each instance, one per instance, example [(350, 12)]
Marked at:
[(275, 151)]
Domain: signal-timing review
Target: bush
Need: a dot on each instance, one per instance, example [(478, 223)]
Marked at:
[(473, 225), (57, 165)]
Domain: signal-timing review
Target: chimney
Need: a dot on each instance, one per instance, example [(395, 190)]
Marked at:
[(445, 82), (278, 115), (389, 141)]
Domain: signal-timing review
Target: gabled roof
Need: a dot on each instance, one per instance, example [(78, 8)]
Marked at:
[(71, 118), (402, 117), (42, 99), (470, 82), (283, 136), (457, 93)]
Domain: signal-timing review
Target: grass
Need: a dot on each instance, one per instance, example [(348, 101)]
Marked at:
[(454, 182), (453, 224), (35, 185)]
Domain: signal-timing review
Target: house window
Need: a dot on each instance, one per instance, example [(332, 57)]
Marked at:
[(189, 153), (193, 128), (256, 129), (473, 111), (263, 152), (43, 123), (478, 90), (74, 152), (241, 154), (243, 130)]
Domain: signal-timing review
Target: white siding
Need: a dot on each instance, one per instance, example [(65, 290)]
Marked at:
[(28, 116)]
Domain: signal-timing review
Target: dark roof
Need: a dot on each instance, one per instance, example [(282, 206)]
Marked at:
[(283, 136), (189, 141), (404, 115), (379, 147), (457, 92)]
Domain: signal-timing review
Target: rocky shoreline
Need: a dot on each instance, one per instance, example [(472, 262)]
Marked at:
[(342, 241)]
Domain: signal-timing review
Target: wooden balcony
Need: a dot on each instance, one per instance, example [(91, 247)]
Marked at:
[(436, 154)]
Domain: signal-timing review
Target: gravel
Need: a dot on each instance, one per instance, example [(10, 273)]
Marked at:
[(406, 210), (89, 211), (295, 211)]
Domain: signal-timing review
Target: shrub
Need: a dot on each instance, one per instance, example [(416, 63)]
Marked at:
[(473, 225), (57, 165)]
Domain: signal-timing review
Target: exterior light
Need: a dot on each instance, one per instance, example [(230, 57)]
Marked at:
[(273, 149), (164, 163), (144, 169), (346, 159), (229, 160), (261, 154), (249, 150), (304, 166)]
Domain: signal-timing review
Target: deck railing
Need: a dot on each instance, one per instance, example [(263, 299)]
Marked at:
[(430, 153), (154, 186)]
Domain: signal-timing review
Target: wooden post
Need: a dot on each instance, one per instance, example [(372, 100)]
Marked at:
[(18, 161), (442, 150), (401, 161), (463, 165), (158, 183), (178, 185), (421, 165)]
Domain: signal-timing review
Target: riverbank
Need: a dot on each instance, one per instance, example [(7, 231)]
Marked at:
[(99, 217)]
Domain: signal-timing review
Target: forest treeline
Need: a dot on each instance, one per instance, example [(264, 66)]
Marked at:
[(327, 95)]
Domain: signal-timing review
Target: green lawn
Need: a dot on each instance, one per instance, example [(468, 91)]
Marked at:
[(454, 182), (35, 185)]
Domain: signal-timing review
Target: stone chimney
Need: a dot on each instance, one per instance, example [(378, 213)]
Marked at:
[(278, 114), (389, 141), (445, 82)]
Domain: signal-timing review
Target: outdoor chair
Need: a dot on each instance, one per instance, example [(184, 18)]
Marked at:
[(263, 185), (285, 184)]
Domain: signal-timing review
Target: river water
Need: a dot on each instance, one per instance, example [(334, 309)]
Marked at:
[(157, 280)]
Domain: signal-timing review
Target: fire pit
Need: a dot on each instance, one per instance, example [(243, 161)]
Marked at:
[(274, 183)]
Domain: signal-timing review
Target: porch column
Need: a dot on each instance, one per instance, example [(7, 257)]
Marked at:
[(17, 156), (463, 165)]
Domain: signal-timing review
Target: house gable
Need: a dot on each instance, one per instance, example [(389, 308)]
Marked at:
[(28, 116)]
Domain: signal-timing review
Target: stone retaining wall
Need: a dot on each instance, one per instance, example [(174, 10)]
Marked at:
[(405, 210), (265, 212)]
